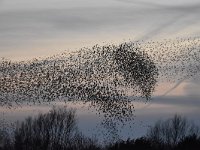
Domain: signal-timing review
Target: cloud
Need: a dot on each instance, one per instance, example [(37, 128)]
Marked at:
[(23, 27), (174, 87), (142, 3), (181, 101), (192, 89)]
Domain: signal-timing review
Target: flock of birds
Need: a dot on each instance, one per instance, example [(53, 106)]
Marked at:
[(176, 59), (105, 76)]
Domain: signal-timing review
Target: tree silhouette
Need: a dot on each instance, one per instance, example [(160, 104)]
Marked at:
[(56, 130), (189, 142), (171, 131)]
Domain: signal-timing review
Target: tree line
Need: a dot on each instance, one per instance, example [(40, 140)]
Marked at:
[(57, 130)]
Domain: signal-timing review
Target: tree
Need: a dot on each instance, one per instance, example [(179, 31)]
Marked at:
[(171, 131), (53, 130), (5, 136), (189, 142)]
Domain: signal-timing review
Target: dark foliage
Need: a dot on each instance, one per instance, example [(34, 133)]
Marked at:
[(172, 131), (190, 142), (138, 144), (57, 130), (53, 130), (5, 140)]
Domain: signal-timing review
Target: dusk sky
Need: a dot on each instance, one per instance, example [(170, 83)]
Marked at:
[(42, 28)]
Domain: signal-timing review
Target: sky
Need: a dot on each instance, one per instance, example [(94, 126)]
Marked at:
[(41, 28)]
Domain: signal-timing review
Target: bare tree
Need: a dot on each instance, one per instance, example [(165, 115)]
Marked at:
[(56, 130), (53, 130), (172, 130)]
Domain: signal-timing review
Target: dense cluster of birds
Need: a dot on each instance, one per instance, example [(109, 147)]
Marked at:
[(108, 77), (105, 76)]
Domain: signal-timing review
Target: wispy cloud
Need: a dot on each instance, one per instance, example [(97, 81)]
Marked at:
[(41, 26)]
